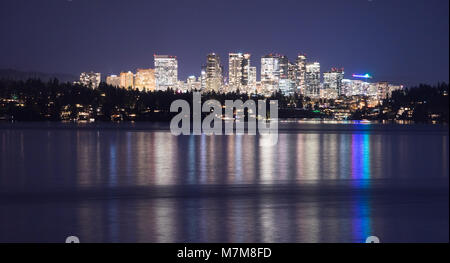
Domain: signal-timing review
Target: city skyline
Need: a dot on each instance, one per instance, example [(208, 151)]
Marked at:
[(278, 73), (409, 46)]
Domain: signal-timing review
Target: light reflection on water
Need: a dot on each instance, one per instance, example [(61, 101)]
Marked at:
[(315, 185)]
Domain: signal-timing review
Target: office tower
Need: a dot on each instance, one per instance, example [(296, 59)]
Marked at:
[(166, 72), (286, 86), (238, 71), (234, 70), (113, 80), (292, 72), (245, 68), (203, 78), (90, 79), (312, 80), (270, 73), (346, 87), (214, 77), (127, 80), (251, 80), (145, 80), (332, 83), (286, 83), (301, 73), (284, 67)]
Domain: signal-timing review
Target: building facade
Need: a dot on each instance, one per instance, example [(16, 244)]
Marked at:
[(251, 80), (127, 80), (332, 83), (214, 77), (312, 80), (166, 72), (301, 73), (145, 80), (270, 73), (113, 80), (238, 71)]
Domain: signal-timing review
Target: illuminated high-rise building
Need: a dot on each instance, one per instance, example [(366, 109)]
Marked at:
[(312, 80), (166, 72), (332, 83), (245, 68), (251, 80), (203, 78), (113, 80), (238, 71), (127, 80), (214, 77), (286, 83), (234, 70), (292, 72), (286, 86), (270, 73), (145, 80), (301, 73), (90, 79), (284, 67)]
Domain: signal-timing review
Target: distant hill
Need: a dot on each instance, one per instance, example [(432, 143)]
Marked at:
[(13, 74)]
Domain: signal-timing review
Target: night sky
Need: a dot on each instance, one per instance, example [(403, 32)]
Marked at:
[(395, 40)]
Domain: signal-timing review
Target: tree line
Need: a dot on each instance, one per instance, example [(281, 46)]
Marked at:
[(36, 100)]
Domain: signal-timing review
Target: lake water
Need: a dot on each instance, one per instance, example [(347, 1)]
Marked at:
[(322, 182)]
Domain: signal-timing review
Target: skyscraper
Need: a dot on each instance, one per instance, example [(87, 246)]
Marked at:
[(245, 68), (292, 72), (312, 80), (286, 83), (270, 73), (288, 78), (332, 83), (90, 79), (238, 71), (214, 77), (284, 67), (145, 80), (203, 79), (127, 80), (301, 73), (251, 80), (166, 72)]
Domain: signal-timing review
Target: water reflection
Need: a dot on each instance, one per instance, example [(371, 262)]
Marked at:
[(150, 186), (361, 175)]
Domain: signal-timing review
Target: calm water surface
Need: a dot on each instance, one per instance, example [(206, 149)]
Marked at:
[(322, 182)]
